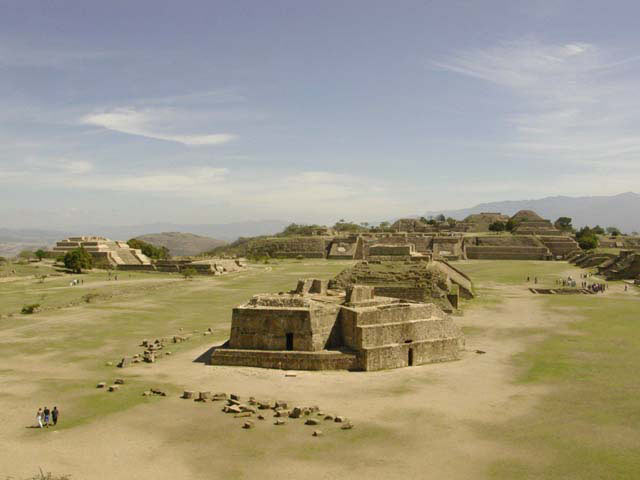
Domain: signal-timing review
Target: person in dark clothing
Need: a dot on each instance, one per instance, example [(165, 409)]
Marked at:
[(54, 415), (46, 416)]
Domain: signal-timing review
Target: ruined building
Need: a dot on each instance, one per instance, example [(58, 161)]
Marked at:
[(313, 328), (102, 249)]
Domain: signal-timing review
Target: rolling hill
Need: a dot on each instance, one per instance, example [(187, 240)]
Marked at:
[(182, 244)]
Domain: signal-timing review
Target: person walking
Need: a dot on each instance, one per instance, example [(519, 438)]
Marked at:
[(39, 417), (54, 415), (46, 412)]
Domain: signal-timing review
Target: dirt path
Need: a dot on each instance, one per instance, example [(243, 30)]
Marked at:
[(423, 422)]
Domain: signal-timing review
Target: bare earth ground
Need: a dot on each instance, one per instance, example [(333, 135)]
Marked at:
[(422, 422)]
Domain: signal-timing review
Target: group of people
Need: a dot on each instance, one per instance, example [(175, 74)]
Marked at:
[(75, 281), (46, 417)]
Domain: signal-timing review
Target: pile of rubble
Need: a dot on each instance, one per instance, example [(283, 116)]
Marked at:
[(155, 349), (255, 409)]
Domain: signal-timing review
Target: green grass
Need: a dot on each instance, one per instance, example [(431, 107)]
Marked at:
[(512, 272), (589, 426), (88, 335)]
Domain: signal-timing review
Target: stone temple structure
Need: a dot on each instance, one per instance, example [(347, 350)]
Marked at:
[(115, 253), (313, 328)]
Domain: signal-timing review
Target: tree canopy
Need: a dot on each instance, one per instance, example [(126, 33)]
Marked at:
[(151, 251), (497, 226), (77, 260), (587, 238), (564, 224)]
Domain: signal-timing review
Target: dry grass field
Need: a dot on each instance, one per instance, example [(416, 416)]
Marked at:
[(555, 396)]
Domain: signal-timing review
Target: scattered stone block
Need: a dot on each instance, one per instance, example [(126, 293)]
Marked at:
[(282, 413), (124, 363), (329, 417), (320, 414), (248, 424), (317, 433), (314, 409), (260, 417), (339, 419), (146, 393), (265, 405), (219, 396), (279, 421), (242, 415), (235, 397), (231, 401), (280, 404), (119, 381), (231, 409), (252, 401), (346, 426), (247, 408), (204, 396), (101, 385), (187, 394), (113, 388), (295, 413), (109, 364), (144, 343), (312, 421)]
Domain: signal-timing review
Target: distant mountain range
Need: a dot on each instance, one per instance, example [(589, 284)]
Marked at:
[(622, 211), (182, 244)]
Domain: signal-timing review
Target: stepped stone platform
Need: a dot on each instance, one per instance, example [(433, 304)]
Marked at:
[(314, 328), (113, 252)]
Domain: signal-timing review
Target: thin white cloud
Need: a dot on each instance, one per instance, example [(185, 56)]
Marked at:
[(152, 123), (573, 102)]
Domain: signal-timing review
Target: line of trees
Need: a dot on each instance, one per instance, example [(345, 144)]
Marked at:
[(151, 251)]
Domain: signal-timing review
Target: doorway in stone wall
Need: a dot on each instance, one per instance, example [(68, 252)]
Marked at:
[(410, 359), (289, 341)]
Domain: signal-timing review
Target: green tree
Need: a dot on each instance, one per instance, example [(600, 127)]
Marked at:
[(441, 218), (78, 260), (511, 225), (613, 231), (598, 230), (497, 226), (587, 238), (26, 255), (564, 224), (40, 253), (151, 251)]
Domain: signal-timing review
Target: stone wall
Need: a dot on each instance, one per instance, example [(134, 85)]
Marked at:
[(333, 360), (397, 356), (507, 253), (267, 328), (291, 247)]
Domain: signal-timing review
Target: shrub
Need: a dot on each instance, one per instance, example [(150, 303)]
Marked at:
[(188, 273), (29, 309), (497, 227)]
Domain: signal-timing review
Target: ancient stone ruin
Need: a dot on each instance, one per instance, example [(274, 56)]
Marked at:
[(436, 282), (412, 239), (112, 252), (315, 328)]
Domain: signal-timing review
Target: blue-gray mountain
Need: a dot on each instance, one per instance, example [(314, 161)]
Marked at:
[(622, 211)]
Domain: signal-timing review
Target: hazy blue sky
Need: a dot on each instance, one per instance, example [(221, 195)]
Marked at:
[(122, 112)]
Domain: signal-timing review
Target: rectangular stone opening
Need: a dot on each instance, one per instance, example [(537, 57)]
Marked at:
[(289, 341)]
